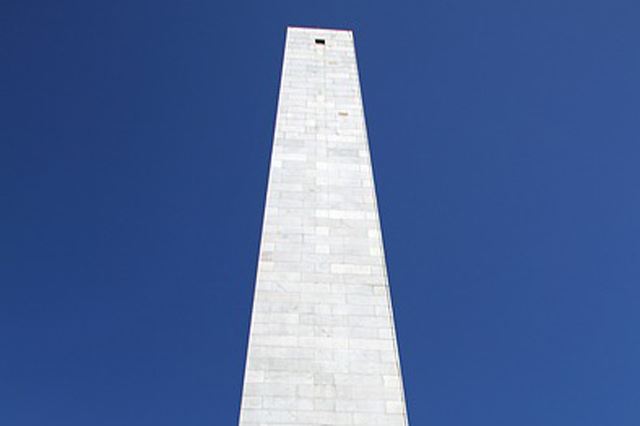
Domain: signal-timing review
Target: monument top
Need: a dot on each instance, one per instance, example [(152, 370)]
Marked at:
[(296, 28)]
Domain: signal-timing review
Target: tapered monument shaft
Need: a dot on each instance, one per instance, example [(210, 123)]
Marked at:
[(322, 346)]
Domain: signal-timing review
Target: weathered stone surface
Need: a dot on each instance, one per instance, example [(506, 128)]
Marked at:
[(322, 347)]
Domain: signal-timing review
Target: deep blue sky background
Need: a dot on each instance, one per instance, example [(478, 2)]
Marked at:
[(134, 147)]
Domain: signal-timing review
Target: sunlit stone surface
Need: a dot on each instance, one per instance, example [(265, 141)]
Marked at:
[(322, 347)]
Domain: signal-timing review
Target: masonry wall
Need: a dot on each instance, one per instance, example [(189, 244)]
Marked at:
[(322, 347)]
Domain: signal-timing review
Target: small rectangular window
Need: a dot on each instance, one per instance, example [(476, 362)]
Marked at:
[(320, 41)]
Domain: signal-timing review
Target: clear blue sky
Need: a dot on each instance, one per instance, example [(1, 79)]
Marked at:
[(134, 146)]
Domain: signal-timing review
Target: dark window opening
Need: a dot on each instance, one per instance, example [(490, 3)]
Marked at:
[(320, 41)]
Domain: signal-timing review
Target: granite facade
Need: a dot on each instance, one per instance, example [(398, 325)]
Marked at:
[(322, 347)]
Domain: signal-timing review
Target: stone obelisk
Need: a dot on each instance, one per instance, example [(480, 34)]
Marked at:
[(322, 345)]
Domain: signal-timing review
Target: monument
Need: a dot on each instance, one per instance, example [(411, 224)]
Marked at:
[(322, 346)]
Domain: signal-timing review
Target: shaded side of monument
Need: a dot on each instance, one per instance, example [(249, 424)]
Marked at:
[(322, 345)]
